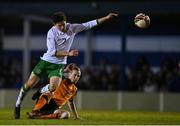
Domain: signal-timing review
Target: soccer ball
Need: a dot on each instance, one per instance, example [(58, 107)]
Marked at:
[(141, 20)]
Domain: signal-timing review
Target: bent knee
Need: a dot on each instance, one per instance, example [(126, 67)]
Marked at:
[(52, 87), (63, 114)]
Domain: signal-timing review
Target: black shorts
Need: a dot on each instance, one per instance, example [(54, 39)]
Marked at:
[(49, 108)]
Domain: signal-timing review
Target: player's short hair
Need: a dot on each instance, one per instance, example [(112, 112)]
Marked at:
[(58, 17)]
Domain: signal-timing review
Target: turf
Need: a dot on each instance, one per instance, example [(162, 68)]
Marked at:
[(96, 117)]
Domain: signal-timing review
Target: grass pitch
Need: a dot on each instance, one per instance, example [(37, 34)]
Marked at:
[(94, 117)]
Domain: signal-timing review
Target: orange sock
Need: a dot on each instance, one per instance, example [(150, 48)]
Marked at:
[(40, 103)]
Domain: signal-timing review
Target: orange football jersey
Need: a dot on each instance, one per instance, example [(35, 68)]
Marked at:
[(64, 92)]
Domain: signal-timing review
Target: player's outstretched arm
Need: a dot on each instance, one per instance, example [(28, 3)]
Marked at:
[(90, 24), (73, 108), (106, 18)]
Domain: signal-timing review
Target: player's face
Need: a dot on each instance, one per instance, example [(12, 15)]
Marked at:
[(74, 76), (61, 26)]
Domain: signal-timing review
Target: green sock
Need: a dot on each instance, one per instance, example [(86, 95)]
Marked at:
[(25, 88)]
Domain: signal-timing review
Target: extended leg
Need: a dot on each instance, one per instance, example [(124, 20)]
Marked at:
[(33, 79)]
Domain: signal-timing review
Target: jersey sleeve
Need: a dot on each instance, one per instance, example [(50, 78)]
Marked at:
[(51, 43), (84, 26)]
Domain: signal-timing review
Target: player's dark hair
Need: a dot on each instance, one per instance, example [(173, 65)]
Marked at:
[(58, 17)]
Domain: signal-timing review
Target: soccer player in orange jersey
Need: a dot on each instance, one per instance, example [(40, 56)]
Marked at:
[(49, 106)]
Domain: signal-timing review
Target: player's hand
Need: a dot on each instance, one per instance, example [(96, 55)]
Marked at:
[(74, 52), (111, 15)]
